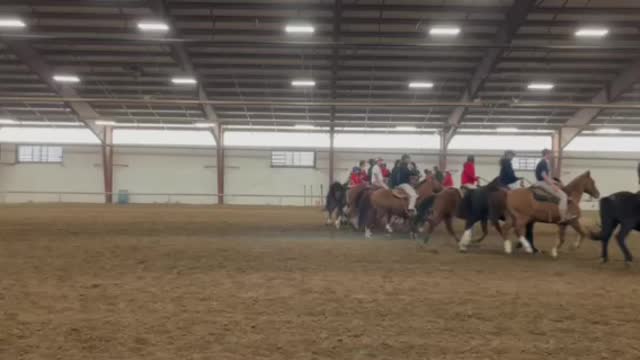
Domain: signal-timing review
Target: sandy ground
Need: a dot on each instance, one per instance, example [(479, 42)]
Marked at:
[(178, 282)]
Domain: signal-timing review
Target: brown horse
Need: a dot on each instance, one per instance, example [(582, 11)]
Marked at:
[(443, 206), (484, 204), (383, 204), (354, 196), (524, 209)]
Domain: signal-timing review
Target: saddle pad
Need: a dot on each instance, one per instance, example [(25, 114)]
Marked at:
[(399, 193), (542, 195)]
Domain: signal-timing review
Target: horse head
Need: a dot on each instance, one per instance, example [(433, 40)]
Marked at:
[(590, 185), (428, 186)]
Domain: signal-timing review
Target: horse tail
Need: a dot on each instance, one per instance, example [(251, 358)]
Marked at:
[(466, 205), (607, 220), (331, 195), (364, 207)]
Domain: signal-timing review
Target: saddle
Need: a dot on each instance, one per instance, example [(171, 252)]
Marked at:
[(542, 195), (400, 194)]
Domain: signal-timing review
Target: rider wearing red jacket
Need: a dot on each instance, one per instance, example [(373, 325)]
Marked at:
[(469, 178), (448, 180)]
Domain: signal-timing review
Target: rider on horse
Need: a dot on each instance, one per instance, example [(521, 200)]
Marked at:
[(375, 174), (469, 179), (507, 176), (546, 182), (402, 180)]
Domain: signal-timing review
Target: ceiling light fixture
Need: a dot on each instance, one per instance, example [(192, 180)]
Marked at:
[(303, 83), (183, 80), (304, 127), (592, 32), (444, 30), (406, 128), (507, 129), (66, 78), (608, 131), (12, 23), (204, 125), (299, 29), (105, 122), (8, 121), (420, 85), (540, 86), (153, 26)]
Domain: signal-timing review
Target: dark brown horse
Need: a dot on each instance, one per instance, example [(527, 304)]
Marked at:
[(523, 209), (382, 204)]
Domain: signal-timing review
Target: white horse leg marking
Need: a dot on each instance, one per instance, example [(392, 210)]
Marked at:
[(554, 252), (338, 221), (525, 244), (578, 242), (388, 228), (367, 233), (507, 246), (464, 242), (328, 218)]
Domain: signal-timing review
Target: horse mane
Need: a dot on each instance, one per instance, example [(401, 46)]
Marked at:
[(494, 184), (567, 188)]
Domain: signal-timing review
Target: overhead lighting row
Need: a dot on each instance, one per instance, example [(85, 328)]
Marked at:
[(305, 28)]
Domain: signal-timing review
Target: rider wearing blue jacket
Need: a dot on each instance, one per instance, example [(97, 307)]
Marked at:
[(507, 176)]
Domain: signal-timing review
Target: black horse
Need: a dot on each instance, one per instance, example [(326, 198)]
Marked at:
[(621, 208), (335, 203)]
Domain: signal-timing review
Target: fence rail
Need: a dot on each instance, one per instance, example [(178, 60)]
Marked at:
[(21, 196)]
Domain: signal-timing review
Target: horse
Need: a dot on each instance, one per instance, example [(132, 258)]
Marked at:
[(484, 204), (354, 197), (335, 203), (437, 208), (523, 208), (621, 208), (384, 203)]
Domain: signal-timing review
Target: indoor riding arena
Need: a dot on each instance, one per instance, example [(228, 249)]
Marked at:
[(166, 166)]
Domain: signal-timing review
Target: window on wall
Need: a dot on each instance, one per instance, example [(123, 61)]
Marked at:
[(524, 163), (301, 159), (39, 154)]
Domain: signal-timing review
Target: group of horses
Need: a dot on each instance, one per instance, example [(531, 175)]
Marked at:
[(366, 207)]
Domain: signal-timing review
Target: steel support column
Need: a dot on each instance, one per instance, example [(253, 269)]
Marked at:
[(442, 154), (556, 148), (107, 164), (220, 163), (331, 151)]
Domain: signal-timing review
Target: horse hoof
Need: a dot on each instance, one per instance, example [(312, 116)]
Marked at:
[(604, 260), (507, 247), (627, 263), (554, 253)]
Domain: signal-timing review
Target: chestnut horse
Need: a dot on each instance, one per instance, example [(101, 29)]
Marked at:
[(354, 196), (523, 209), (484, 204), (383, 203)]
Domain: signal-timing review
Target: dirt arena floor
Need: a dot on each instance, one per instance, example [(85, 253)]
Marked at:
[(179, 282)]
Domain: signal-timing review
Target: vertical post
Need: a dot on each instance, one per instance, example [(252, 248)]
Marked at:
[(331, 152), (107, 164), (556, 148), (442, 154), (220, 163)]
